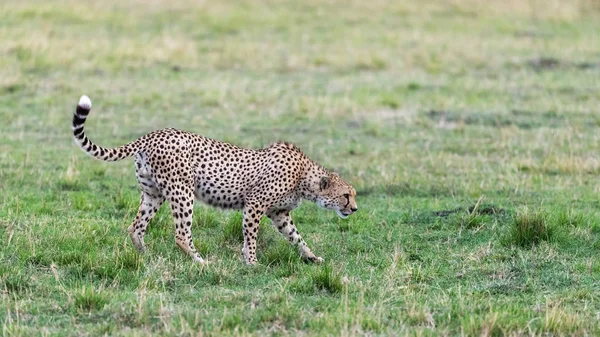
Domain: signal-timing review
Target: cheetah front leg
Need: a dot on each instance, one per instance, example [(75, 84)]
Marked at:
[(284, 223), (252, 216)]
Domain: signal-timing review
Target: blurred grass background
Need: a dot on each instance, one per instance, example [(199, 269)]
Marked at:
[(468, 127)]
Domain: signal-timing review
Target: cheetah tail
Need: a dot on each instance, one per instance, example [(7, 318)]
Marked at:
[(98, 152)]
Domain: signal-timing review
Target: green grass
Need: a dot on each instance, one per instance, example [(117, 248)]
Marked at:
[(530, 228), (469, 129)]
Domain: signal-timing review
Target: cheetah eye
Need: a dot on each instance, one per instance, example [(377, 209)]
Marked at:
[(347, 196)]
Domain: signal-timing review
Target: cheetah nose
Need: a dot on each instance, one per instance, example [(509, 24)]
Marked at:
[(354, 209)]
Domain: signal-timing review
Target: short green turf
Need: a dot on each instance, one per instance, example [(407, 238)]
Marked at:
[(469, 128)]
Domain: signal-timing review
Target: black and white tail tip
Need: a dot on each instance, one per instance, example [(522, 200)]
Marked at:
[(81, 113), (85, 102)]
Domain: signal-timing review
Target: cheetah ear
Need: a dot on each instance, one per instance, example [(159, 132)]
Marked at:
[(325, 182)]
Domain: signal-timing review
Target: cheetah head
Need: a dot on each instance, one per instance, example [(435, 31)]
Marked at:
[(336, 194)]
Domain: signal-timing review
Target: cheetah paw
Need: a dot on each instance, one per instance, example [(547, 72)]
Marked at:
[(200, 261), (316, 259)]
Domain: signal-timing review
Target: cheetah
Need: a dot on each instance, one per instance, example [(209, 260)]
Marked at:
[(180, 167)]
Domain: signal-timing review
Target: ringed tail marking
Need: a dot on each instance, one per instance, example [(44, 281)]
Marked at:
[(107, 154)]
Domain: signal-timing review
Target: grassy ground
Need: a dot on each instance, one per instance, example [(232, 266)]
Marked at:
[(469, 128)]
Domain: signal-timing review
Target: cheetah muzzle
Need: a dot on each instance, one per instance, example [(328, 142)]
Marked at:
[(180, 167)]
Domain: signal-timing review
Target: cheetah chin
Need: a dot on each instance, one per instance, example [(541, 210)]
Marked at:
[(342, 215), (181, 167)]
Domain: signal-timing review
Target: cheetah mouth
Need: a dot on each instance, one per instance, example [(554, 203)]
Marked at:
[(343, 215)]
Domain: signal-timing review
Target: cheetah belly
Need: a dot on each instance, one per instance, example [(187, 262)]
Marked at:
[(288, 202), (222, 193)]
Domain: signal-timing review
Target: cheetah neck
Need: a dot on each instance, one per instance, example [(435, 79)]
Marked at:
[(309, 187)]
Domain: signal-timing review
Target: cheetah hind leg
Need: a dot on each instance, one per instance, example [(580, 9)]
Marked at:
[(149, 205), (183, 209), (251, 223)]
